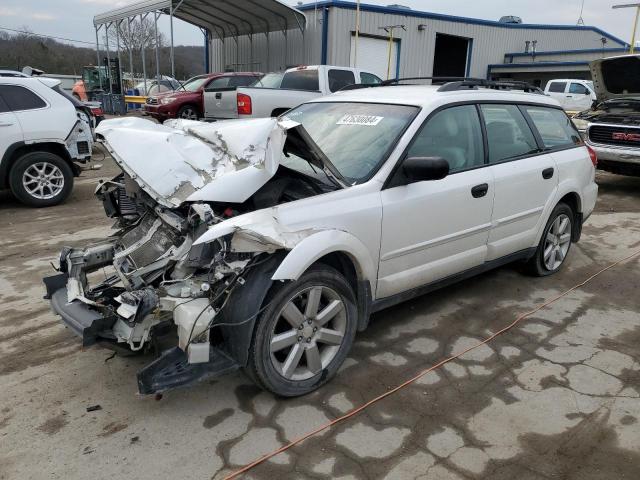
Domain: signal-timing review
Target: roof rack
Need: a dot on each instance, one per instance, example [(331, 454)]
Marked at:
[(475, 83), (450, 84)]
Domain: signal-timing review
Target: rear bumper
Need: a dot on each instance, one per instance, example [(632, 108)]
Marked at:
[(79, 317)]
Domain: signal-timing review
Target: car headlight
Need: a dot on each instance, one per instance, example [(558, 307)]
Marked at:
[(166, 101)]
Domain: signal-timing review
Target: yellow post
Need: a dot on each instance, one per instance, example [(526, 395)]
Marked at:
[(633, 35), (389, 60)]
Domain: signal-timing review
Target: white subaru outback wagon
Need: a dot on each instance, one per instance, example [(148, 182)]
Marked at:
[(266, 244)]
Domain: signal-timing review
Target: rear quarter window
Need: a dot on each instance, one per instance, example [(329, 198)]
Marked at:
[(301, 80), (557, 87), (20, 98), (554, 126), (340, 78)]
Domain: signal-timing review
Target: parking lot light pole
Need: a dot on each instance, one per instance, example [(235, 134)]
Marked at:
[(635, 22)]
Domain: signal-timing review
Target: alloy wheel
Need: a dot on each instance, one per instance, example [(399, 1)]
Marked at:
[(557, 242), (43, 180), (308, 333)]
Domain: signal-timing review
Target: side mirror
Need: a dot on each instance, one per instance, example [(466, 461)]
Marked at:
[(420, 169)]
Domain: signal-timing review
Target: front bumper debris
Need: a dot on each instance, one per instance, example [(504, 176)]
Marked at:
[(172, 369), (81, 319)]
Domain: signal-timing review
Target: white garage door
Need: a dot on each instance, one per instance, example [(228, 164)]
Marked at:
[(373, 55)]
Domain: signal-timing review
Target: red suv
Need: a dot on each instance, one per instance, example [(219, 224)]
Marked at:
[(187, 101)]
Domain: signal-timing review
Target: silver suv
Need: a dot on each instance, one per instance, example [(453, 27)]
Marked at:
[(45, 135)]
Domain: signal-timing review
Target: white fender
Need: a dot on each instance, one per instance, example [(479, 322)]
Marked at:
[(319, 244)]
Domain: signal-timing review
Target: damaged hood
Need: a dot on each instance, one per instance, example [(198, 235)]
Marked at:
[(616, 77), (187, 160)]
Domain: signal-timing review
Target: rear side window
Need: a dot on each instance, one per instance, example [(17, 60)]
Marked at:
[(508, 133), (555, 128), (3, 106), (301, 80), (340, 78), (578, 89), (241, 81), (369, 79), (219, 82), (557, 87), (20, 98), (454, 134)]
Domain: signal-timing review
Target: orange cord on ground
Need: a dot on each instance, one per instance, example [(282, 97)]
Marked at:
[(357, 410)]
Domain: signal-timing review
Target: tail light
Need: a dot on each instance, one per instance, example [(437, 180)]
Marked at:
[(594, 157), (244, 104)]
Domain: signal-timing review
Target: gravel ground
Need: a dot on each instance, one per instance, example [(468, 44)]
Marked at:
[(556, 397)]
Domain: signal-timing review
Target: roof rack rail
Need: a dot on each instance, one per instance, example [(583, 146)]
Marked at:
[(450, 84), (475, 83)]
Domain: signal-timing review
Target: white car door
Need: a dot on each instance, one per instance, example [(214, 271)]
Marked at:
[(578, 98), (526, 179), (434, 229), (10, 129)]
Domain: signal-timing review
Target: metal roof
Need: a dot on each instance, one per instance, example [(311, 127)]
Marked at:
[(223, 18)]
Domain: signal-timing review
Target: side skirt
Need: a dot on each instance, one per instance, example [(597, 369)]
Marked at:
[(387, 302)]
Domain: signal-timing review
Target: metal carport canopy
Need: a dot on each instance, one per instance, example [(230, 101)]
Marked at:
[(223, 18)]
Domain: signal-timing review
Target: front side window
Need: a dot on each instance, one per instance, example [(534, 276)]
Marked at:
[(339, 79), (508, 134), (356, 137), (578, 89), (555, 128), (301, 80), (454, 134), (557, 87), (194, 84), (369, 79), (20, 98)]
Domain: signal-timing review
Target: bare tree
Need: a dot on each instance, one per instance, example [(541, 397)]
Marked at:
[(136, 34)]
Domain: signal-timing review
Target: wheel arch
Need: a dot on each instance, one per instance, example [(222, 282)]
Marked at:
[(18, 149)]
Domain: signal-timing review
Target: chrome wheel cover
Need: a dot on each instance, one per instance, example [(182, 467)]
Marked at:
[(308, 333), (557, 242), (43, 180)]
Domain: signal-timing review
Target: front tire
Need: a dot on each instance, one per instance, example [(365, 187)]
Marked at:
[(188, 112), (304, 334), (41, 179), (555, 243)]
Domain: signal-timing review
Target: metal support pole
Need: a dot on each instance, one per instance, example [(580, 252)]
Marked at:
[(173, 67), (155, 22), (142, 48), (106, 41), (355, 47), (98, 57), (250, 52), (286, 48), (119, 63), (268, 50), (130, 51)]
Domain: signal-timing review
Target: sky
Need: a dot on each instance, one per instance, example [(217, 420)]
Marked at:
[(73, 18)]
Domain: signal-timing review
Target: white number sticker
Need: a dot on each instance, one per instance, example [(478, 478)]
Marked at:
[(369, 120)]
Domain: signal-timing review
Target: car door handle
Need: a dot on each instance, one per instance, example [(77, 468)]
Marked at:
[(547, 173), (5, 124), (218, 96), (480, 190)]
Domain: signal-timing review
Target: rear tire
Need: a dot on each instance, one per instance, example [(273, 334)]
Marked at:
[(41, 179), (555, 243), (304, 334)]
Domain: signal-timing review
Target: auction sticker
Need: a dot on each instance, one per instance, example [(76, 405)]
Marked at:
[(369, 120)]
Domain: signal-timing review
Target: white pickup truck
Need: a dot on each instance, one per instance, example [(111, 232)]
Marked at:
[(298, 85), (574, 95)]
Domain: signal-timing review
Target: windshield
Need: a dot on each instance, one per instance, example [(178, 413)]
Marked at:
[(193, 84), (270, 80), (355, 137)]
